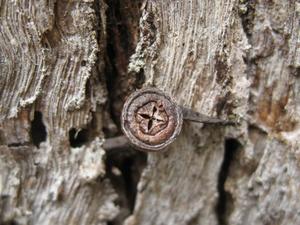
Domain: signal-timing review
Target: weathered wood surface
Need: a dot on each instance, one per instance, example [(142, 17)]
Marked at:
[(66, 68)]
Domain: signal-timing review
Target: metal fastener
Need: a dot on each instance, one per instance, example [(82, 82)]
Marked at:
[(151, 120)]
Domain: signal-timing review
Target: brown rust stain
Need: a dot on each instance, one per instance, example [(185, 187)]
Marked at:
[(272, 112)]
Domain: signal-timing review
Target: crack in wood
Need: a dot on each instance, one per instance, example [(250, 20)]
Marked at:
[(124, 167), (225, 201)]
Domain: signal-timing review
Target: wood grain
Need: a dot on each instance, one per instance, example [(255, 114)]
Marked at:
[(66, 68)]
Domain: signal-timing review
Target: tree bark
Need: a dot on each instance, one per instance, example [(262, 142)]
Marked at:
[(66, 69)]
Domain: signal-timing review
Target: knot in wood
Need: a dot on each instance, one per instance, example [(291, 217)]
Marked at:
[(150, 119)]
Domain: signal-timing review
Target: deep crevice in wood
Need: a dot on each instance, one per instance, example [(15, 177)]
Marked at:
[(124, 171), (122, 33), (123, 167), (225, 201)]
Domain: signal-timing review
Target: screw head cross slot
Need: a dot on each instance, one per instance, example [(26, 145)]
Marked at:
[(151, 120)]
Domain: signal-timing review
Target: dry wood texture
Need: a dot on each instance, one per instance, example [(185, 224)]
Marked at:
[(66, 68)]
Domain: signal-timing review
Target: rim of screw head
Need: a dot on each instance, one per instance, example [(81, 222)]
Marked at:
[(151, 120)]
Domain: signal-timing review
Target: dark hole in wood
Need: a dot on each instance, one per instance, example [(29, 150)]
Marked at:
[(78, 138), (38, 131), (225, 198), (83, 63)]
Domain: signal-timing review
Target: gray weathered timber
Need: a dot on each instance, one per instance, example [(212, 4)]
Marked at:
[(236, 59), (66, 67), (50, 53)]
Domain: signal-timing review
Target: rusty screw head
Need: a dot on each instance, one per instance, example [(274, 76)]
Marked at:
[(151, 120)]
